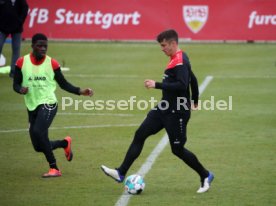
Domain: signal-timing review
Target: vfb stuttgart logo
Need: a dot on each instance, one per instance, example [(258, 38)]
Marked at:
[(195, 17)]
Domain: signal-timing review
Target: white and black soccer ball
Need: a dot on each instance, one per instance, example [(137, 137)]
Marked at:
[(134, 184)]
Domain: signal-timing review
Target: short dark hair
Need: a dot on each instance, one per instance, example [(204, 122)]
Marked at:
[(167, 35), (38, 36)]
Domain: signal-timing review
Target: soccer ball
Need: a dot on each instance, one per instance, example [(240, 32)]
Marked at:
[(134, 184)]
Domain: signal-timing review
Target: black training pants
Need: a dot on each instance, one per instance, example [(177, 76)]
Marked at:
[(175, 125), (40, 120)]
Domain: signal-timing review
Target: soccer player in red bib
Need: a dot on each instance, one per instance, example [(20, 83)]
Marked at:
[(172, 113), (35, 77)]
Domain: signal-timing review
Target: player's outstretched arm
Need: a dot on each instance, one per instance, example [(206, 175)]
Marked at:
[(65, 85)]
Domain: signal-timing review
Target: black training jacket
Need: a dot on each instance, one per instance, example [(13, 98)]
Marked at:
[(12, 15)]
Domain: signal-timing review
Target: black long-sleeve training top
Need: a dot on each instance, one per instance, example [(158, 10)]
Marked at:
[(177, 81)]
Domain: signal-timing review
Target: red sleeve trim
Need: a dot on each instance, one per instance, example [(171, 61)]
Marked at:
[(19, 62), (55, 64)]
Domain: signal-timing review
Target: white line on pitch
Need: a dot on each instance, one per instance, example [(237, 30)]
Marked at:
[(95, 114), (245, 77), (102, 76), (74, 127), (124, 198)]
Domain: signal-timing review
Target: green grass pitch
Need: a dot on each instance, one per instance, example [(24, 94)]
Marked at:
[(238, 146)]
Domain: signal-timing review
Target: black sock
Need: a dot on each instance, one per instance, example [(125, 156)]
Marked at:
[(63, 143), (206, 174), (53, 166), (59, 144)]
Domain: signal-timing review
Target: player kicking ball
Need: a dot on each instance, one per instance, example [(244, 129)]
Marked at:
[(35, 77), (177, 81)]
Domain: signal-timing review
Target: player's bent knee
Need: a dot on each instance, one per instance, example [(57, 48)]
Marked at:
[(140, 135), (177, 151), (37, 148), (36, 132)]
